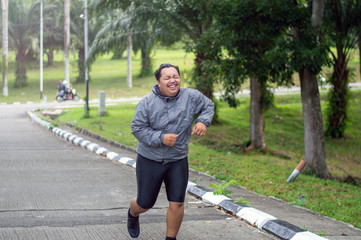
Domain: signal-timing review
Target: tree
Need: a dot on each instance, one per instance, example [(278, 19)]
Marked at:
[(126, 22), (184, 19), (309, 53), (22, 32), (77, 34), (342, 20), (4, 7), (53, 27), (248, 31)]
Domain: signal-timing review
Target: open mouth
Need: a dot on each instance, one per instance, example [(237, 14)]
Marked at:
[(173, 86)]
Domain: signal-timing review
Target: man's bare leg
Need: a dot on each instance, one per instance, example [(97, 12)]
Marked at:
[(133, 218), (135, 209), (175, 215)]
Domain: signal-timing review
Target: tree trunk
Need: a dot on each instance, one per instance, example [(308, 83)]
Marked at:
[(81, 66), (359, 48), (50, 54), (256, 116), (20, 79), (313, 127), (5, 44), (338, 98), (66, 38), (146, 63)]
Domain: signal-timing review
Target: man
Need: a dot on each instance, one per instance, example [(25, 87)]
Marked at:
[(162, 124)]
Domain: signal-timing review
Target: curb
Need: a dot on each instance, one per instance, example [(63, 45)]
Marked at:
[(263, 221)]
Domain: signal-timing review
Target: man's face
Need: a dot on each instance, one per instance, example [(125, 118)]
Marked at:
[(169, 82)]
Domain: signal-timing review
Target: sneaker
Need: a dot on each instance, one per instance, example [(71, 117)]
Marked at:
[(133, 225)]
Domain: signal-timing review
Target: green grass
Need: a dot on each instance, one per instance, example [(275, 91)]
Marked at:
[(220, 153)]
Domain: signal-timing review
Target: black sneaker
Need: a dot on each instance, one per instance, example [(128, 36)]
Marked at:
[(133, 225)]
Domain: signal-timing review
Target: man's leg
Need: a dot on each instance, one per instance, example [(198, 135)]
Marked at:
[(175, 215), (135, 209), (133, 218)]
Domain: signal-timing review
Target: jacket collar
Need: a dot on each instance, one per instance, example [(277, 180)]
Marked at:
[(157, 92)]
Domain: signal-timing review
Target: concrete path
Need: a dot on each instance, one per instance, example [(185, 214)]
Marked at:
[(51, 189)]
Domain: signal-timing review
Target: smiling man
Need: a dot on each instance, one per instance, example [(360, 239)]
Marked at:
[(162, 124)]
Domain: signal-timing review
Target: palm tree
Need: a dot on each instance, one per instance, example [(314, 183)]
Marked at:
[(115, 33), (22, 29), (343, 20), (4, 4), (165, 21), (186, 20), (53, 27)]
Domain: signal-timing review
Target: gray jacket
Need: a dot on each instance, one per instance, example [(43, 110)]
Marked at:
[(157, 115)]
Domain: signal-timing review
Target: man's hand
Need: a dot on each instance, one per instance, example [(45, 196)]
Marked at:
[(169, 139), (199, 129)]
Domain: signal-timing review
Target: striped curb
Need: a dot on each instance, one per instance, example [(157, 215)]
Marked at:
[(263, 221)]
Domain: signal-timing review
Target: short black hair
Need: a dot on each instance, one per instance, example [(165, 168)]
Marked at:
[(164, 65)]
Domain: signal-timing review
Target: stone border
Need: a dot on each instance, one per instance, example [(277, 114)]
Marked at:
[(259, 219)]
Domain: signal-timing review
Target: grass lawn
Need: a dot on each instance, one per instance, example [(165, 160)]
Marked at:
[(220, 154)]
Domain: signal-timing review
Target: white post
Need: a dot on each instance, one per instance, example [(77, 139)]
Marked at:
[(5, 43), (41, 49)]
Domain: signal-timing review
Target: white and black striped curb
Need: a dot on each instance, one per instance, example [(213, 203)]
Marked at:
[(259, 219)]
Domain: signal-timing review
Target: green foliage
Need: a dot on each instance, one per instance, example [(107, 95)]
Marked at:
[(242, 200), (221, 189), (245, 43)]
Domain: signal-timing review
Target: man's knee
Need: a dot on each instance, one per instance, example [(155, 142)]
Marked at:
[(176, 205)]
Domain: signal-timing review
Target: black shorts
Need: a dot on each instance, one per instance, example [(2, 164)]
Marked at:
[(151, 174)]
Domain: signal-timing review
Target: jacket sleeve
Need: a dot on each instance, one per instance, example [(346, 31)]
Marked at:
[(204, 107), (141, 127)]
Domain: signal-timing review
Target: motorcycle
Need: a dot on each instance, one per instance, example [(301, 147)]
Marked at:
[(69, 95)]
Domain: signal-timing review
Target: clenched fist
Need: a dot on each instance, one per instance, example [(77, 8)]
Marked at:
[(169, 139)]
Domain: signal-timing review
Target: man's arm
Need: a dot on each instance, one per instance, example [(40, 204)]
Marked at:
[(141, 127), (205, 109)]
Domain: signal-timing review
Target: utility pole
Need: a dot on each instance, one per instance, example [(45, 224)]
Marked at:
[(86, 56), (41, 49)]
